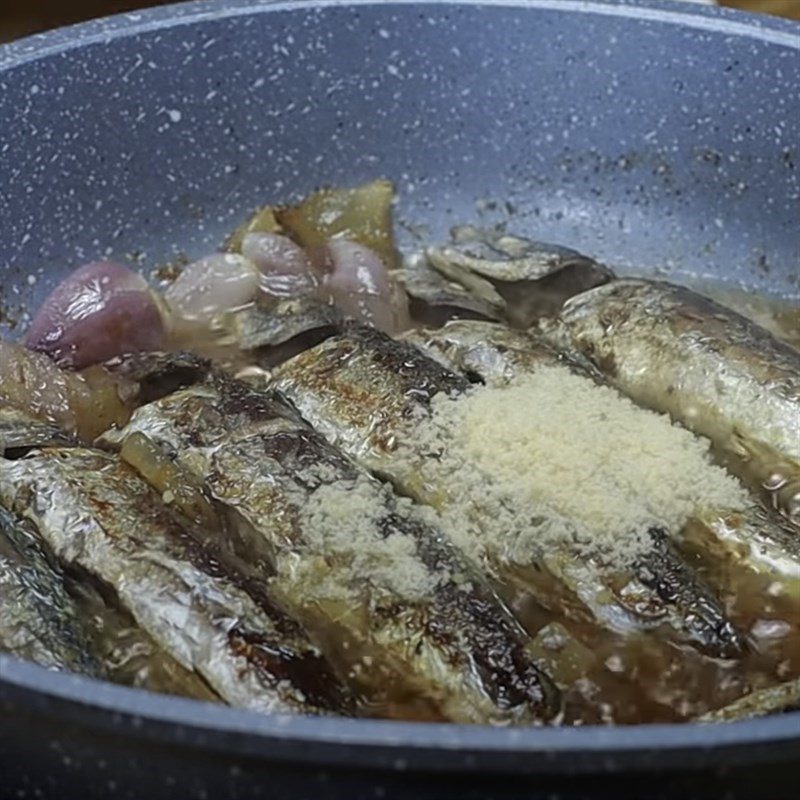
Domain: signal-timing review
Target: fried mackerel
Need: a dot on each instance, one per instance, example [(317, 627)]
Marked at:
[(407, 620), (100, 518), (39, 620), (371, 396), (712, 370)]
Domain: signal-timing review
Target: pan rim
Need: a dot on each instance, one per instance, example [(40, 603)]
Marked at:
[(714, 19), (378, 743)]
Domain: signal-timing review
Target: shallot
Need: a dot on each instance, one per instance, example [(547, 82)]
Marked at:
[(211, 286), (361, 286), (100, 311), (285, 268)]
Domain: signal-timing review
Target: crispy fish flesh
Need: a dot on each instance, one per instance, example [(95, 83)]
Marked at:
[(516, 279), (403, 615), (362, 390), (100, 518), (775, 700), (39, 620), (711, 369), (733, 540)]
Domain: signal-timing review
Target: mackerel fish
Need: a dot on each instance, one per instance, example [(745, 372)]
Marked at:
[(711, 369), (39, 620), (101, 519)]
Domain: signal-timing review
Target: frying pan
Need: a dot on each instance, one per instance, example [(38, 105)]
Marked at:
[(656, 136)]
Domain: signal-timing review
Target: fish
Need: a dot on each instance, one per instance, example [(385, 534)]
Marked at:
[(100, 518), (39, 620), (128, 654), (780, 699), (409, 622), (711, 369), (158, 373), (732, 541), (511, 277), (436, 297), (21, 431), (279, 323), (369, 395)]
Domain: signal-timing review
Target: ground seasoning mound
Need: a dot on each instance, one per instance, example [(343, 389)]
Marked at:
[(555, 458)]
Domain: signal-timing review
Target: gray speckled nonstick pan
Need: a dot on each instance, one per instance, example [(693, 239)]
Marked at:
[(654, 135)]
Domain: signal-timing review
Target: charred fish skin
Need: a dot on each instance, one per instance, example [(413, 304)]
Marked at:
[(497, 355), (711, 369), (98, 516), (39, 620), (664, 571), (359, 387), (408, 620)]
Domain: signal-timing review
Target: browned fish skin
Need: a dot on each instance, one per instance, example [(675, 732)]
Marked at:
[(360, 389), (711, 369), (451, 651), (101, 518)]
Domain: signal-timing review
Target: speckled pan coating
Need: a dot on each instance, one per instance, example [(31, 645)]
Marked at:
[(649, 134)]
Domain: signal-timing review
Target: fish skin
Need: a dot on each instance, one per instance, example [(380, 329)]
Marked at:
[(783, 698), (711, 369), (20, 432), (516, 279), (156, 374), (453, 653), (39, 620), (361, 388), (271, 325), (99, 517)]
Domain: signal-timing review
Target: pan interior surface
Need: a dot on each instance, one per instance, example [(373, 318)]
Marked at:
[(657, 138)]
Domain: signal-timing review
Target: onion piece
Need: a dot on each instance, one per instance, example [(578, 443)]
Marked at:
[(361, 286), (213, 285), (286, 270), (102, 310)]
